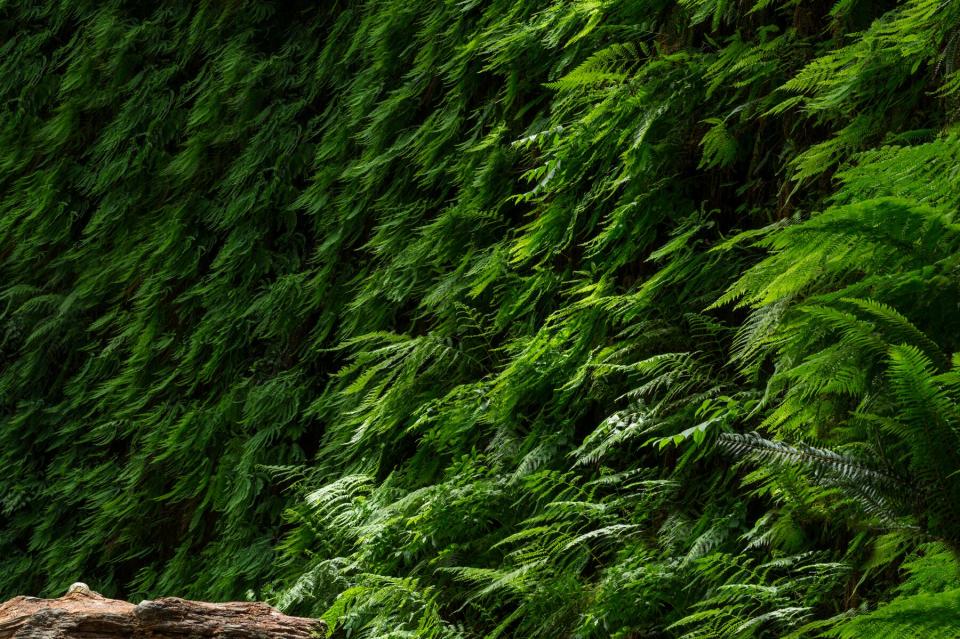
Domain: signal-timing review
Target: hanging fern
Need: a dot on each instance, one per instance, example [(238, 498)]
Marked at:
[(586, 318)]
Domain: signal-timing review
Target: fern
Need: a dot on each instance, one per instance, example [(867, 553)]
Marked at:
[(584, 318)]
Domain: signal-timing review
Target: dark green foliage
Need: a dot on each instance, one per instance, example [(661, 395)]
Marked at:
[(437, 318)]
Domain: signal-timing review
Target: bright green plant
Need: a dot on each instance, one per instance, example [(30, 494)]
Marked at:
[(549, 318)]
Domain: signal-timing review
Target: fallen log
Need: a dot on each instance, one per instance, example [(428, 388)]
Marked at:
[(84, 614)]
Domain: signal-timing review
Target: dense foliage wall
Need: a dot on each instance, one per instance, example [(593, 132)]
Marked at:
[(539, 318)]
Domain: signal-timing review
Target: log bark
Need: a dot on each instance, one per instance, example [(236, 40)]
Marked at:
[(83, 614)]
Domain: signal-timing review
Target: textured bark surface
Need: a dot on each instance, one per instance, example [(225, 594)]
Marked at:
[(82, 614)]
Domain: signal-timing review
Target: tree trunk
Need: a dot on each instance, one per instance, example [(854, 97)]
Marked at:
[(83, 614)]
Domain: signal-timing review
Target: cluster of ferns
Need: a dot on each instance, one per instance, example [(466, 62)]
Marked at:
[(467, 319)]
